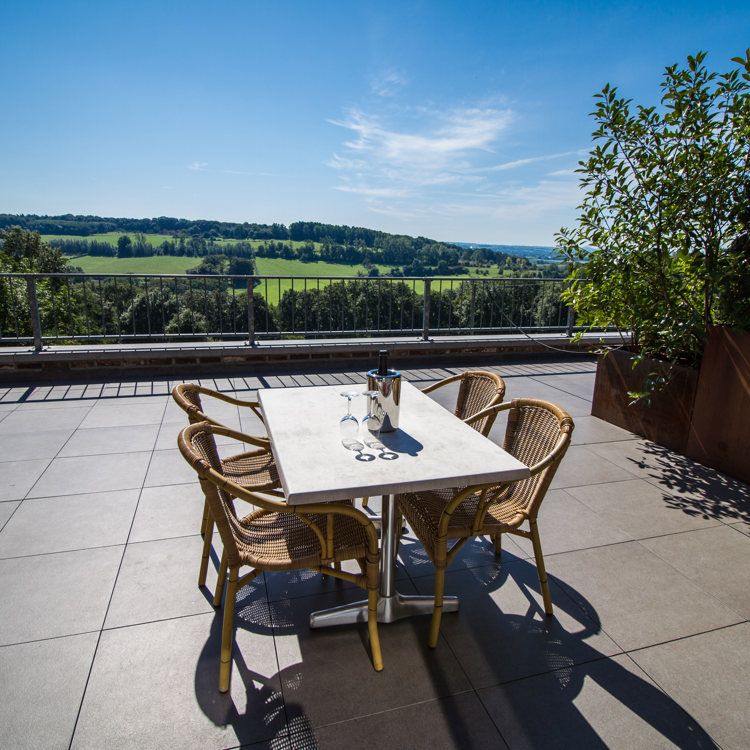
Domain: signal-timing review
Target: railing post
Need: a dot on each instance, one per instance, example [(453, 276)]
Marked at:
[(571, 321), (426, 312), (36, 325), (250, 311)]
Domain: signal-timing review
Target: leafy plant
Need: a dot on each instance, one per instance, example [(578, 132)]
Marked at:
[(660, 251)]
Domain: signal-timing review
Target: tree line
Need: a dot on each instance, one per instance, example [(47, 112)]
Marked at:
[(137, 306)]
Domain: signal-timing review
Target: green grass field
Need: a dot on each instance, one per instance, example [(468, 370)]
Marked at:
[(156, 264)]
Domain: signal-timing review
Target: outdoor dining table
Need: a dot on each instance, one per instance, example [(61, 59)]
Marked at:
[(431, 449)]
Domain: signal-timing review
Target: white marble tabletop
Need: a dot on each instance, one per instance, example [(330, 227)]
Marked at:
[(431, 448)]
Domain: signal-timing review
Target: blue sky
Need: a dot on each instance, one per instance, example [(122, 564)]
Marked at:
[(459, 121)]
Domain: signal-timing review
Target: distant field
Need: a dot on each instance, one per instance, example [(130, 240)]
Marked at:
[(272, 290), (155, 264)]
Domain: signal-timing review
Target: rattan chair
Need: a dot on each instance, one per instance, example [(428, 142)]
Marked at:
[(254, 470), (478, 390), (276, 536), (537, 434)]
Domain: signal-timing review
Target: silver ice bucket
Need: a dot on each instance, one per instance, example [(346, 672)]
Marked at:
[(389, 396)]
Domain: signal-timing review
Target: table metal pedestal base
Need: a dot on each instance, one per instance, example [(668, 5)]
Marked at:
[(390, 609), (392, 606)]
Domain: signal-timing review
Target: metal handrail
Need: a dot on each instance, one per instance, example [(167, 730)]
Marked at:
[(79, 307)]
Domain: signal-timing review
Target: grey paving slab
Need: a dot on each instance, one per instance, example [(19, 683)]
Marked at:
[(25, 419), (121, 412), (708, 676), (26, 445), (501, 632), (84, 474), (70, 522), (7, 508), (155, 685), (328, 672), (639, 599), (169, 467), (639, 508), (455, 721), (159, 580), (41, 690), (525, 387), (582, 466), (567, 524), (59, 594), (609, 703), (127, 439), (716, 559), (594, 430), (18, 477), (169, 511)]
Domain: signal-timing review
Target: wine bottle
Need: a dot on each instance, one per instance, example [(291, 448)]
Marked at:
[(383, 362)]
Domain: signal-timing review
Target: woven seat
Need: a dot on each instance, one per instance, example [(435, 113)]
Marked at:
[(276, 537), (255, 470), (537, 434), (478, 390)]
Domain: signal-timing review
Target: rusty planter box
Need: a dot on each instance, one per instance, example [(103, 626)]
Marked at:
[(720, 430), (666, 421)]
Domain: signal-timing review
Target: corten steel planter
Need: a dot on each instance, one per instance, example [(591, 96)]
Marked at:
[(720, 432), (666, 420)]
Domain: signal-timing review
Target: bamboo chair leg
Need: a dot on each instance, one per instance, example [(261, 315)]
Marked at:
[(208, 533), (220, 580), (206, 514), (372, 627), (542, 572), (437, 611), (498, 541), (227, 633)]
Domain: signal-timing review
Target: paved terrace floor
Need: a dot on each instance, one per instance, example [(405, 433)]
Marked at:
[(107, 641)]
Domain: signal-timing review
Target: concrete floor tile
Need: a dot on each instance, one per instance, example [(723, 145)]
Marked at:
[(501, 632), (708, 676), (34, 420), (638, 508), (18, 477), (94, 441), (159, 580), (85, 474), (69, 522), (169, 511), (157, 686), (566, 524), (638, 598), (581, 466), (41, 690), (59, 594), (608, 703), (169, 467), (455, 721), (27, 445), (716, 559), (122, 412), (7, 508), (328, 672), (593, 430)]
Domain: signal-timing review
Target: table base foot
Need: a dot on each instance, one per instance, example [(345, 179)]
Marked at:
[(390, 609)]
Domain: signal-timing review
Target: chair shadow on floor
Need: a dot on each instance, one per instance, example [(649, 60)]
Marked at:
[(528, 669), (536, 666)]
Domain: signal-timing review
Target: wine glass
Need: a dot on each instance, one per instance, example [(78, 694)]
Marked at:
[(349, 426), (372, 421)]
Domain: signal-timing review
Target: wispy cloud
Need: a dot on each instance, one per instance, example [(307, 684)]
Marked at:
[(198, 166), (531, 160), (388, 82), (433, 148)]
